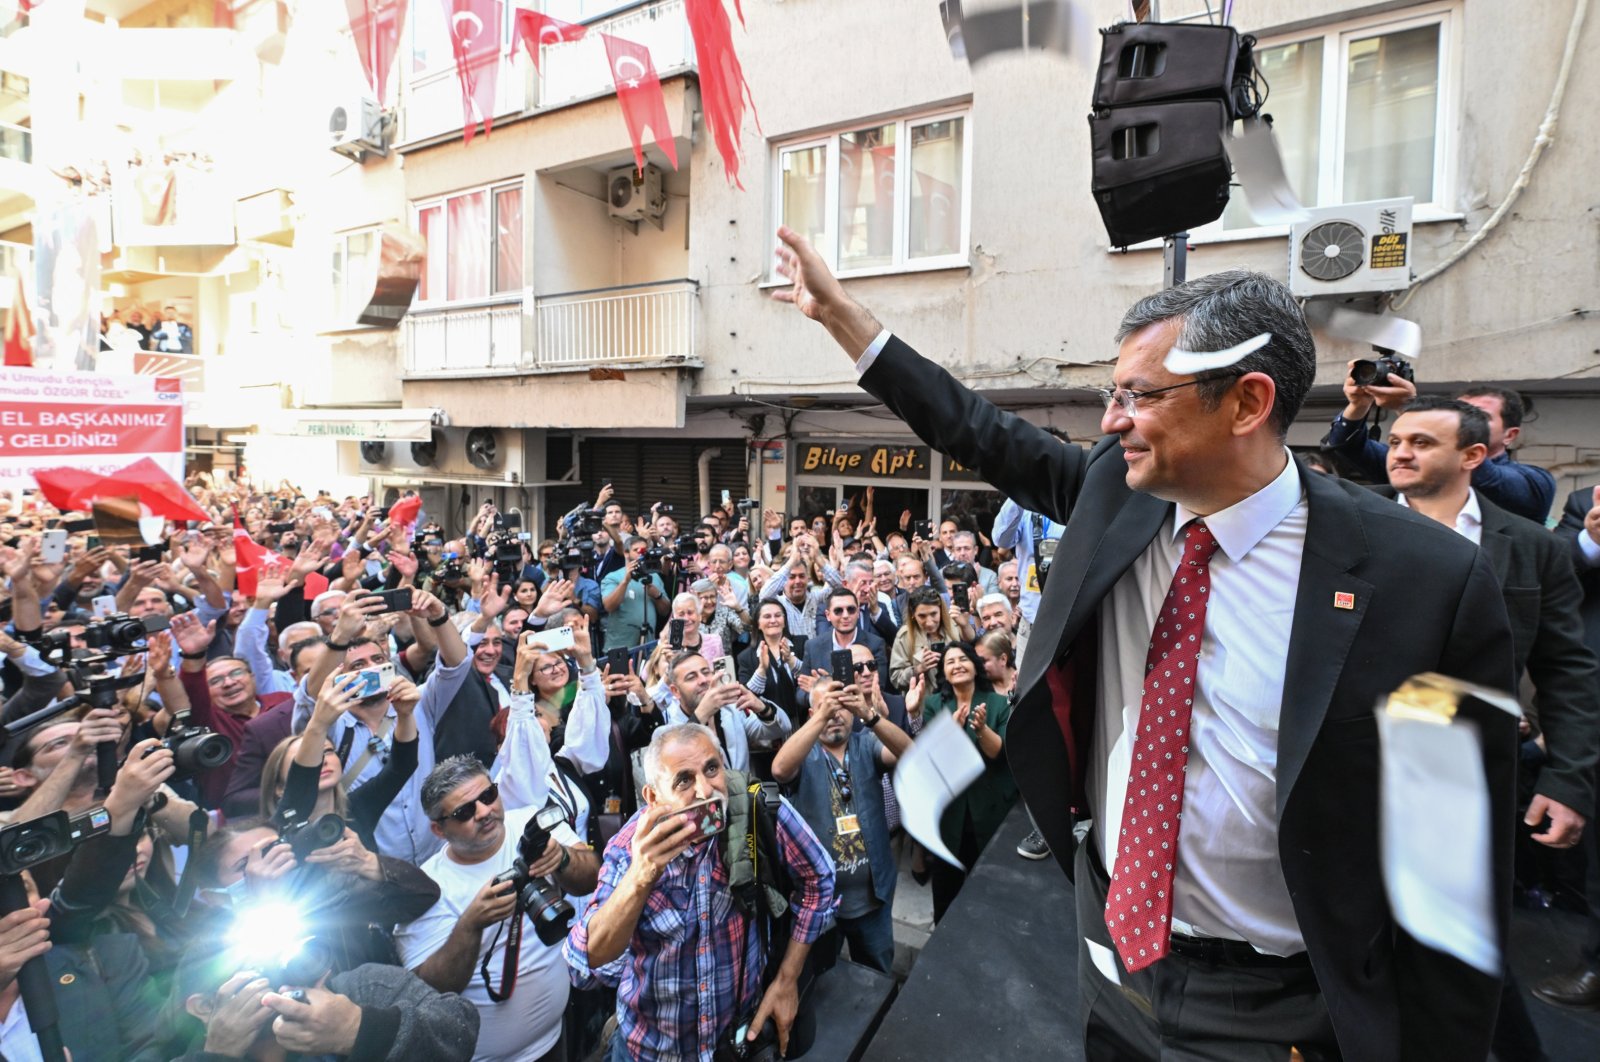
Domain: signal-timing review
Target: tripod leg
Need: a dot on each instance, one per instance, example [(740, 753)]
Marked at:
[(34, 980)]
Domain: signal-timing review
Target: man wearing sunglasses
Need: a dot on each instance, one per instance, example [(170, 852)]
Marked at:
[(460, 944), (833, 772), (1309, 600), (843, 613)]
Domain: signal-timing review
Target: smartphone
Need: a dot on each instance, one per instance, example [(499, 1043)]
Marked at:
[(94, 542), (555, 639), (371, 681), (922, 529), (77, 527), (842, 665), (727, 498), (150, 553), (396, 600), (729, 671), (708, 816), (281, 527), (675, 634), (104, 605), (618, 661), (53, 546)]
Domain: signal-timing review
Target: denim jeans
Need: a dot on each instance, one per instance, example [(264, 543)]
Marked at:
[(871, 938)]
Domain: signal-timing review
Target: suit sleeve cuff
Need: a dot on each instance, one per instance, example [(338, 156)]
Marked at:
[(870, 355), (1589, 548)]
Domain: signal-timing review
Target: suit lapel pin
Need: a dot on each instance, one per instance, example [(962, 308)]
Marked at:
[(1343, 600)]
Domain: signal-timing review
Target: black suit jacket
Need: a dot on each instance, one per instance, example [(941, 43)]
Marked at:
[(819, 651), (1424, 600), (1578, 505)]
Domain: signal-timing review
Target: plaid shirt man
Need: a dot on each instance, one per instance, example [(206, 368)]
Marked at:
[(677, 981)]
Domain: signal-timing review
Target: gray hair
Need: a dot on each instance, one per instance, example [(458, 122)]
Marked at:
[(668, 735), (966, 536), (857, 567), (700, 586), (1008, 564), (994, 599), (1223, 310), (446, 777), (687, 597), (723, 547)]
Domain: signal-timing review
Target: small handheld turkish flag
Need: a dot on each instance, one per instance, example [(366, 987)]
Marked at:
[(639, 93), (535, 30), (475, 40)]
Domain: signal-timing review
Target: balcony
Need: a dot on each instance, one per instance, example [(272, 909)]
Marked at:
[(640, 324), (576, 70), (16, 143)]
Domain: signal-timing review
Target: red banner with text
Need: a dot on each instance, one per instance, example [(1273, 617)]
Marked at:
[(86, 420)]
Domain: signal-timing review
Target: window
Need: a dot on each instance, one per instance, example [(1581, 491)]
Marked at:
[(431, 53), (1361, 111), (474, 245), (885, 197), (355, 273)]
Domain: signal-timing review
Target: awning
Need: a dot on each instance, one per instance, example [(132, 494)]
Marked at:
[(379, 425)]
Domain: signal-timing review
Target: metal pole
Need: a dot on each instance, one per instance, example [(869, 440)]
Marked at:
[(1175, 257)]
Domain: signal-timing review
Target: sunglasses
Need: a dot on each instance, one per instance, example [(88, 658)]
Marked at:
[(466, 811), (847, 610), (866, 667)]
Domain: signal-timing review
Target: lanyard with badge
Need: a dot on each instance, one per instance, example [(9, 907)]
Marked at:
[(847, 822)]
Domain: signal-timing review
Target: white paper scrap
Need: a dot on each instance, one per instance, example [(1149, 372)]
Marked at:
[(1399, 334), (937, 768), (1259, 167), (1435, 845), (1183, 362)]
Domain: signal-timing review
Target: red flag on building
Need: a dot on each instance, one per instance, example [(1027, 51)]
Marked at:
[(475, 40), (376, 26), (723, 89), (536, 29), (639, 93), (941, 205), (19, 328), (880, 222)]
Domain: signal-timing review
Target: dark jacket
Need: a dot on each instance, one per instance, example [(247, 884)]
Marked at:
[(819, 651), (100, 997), (1579, 502), (1388, 996)]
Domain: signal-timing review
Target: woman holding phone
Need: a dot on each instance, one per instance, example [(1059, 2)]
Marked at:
[(973, 817)]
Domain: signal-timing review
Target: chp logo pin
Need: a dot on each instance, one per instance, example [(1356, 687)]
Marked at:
[(1343, 600)]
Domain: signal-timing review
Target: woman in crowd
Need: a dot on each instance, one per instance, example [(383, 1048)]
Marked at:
[(770, 667), (928, 623), (720, 613), (963, 692), (999, 662)]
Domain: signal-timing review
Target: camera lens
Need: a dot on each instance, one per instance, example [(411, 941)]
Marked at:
[(1364, 372)]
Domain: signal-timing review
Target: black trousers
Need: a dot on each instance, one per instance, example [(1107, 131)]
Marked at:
[(1186, 1009)]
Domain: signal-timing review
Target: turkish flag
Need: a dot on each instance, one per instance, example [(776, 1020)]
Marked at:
[(639, 94), (535, 30), (405, 510), (475, 40), (19, 329), (249, 557), (376, 26), (941, 205), (723, 88), (880, 222), (74, 490)]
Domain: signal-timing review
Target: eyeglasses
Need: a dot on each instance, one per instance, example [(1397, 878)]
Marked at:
[(844, 610), (552, 669), (466, 811), (1129, 400), (230, 676), (867, 667)]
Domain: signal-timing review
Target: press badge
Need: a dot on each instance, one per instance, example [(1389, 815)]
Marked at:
[(613, 805), (1031, 583), (846, 824)]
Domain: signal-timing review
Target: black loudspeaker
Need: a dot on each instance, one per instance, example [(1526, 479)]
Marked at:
[(1163, 96), (1159, 169)]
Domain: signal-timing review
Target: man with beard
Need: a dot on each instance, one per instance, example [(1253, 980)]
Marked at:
[(834, 774), (738, 717)]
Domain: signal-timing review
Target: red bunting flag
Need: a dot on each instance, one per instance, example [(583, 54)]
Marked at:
[(405, 510), (475, 40), (723, 89), (376, 26), (536, 29), (19, 329), (75, 490), (315, 585), (644, 106)]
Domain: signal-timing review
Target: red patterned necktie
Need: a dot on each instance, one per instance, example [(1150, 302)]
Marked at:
[(1139, 901)]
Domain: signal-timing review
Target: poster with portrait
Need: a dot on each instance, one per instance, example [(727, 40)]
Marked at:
[(66, 246)]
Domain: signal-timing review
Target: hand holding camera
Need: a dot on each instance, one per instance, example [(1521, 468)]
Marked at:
[(1385, 382), (347, 855), (148, 765)]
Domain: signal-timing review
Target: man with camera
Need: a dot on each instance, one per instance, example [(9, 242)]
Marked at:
[(690, 957), (834, 773), (1526, 490), (636, 600), (500, 874)]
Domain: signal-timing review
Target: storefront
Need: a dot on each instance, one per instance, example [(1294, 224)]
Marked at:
[(827, 473)]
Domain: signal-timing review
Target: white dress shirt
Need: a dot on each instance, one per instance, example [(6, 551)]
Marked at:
[(1229, 880), (17, 1040), (1469, 521)]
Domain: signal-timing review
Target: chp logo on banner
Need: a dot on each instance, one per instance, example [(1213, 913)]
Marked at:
[(86, 420)]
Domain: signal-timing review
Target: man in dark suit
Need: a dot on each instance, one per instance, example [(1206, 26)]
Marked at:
[(1274, 928), (1580, 530), (843, 613)]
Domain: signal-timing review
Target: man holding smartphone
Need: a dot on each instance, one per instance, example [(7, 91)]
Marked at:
[(706, 695)]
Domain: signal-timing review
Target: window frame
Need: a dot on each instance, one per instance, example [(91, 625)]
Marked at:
[(412, 78), (828, 139), (1336, 38), (346, 315), (492, 191)]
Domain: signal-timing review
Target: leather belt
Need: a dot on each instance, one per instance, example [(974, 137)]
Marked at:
[(1220, 952)]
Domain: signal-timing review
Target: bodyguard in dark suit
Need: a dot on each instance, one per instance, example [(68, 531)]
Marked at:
[(1579, 535), (1327, 598)]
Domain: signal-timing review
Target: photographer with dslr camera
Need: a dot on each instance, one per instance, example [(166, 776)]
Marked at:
[(635, 597), (506, 872), (1526, 490)]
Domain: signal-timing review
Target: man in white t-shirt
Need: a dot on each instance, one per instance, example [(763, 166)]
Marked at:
[(472, 918)]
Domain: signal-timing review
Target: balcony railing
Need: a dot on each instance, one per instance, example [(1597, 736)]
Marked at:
[(479, 339), (638, 322), (635, 323), (16, 143), (577, 69)]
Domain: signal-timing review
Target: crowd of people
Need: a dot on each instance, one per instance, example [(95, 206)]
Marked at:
[(373, 791)]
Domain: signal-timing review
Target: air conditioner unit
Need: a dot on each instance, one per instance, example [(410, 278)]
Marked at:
[(491, 456), (630, 200), (358, 128), (1351, 249)]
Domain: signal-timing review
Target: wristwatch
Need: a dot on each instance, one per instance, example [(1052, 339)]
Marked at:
[(874, 719)]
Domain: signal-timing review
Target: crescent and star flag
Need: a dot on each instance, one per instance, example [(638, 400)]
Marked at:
[(639, 93), (19, 328), (475, 40), (250, 557), (536, 29), (75, 490), (723, 89), (376, 26)]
